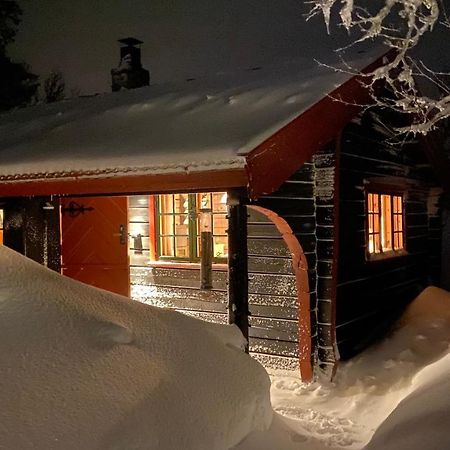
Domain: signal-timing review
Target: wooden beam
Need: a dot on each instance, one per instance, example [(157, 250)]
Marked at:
[(78, 184), (238, 311)]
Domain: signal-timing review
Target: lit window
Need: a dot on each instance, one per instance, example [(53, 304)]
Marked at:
[(178, 225), (384, 223)]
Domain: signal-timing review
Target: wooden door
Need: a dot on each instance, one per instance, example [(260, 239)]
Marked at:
[(94, 242)]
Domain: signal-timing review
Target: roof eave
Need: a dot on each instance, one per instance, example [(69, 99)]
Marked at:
[(281, 155), (212, 180)]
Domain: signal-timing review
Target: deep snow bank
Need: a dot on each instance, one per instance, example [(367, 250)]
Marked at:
[(406, 374), (81, 368), (422, 419)]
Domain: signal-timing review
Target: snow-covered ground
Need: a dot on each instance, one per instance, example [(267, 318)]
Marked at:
[(407, 374), (83, 368)]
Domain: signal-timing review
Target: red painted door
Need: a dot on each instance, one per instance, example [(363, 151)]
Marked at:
[(94, 242)]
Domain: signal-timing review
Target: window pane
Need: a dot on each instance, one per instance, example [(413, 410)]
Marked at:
[(204, 201), (166, 246), (376, 206), (166, 225), (399, 204), (377, 243), (182, 246), (376, 223), (166, 203), (219, 202), (181, 203), (220, 247), (397, 222), (220, 224), (400, 241), (181, 224), (370, 201), (386, 223), (370, 223), (371, 244)]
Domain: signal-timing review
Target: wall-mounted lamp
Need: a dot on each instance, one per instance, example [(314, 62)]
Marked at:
[(47, 206), (137, 244)]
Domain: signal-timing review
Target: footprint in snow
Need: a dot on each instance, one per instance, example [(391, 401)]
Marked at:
[(338, 432)]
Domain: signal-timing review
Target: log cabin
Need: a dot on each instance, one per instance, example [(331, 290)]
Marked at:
[(269, 199)]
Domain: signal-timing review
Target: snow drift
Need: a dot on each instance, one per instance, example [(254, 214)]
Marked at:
[(395, 394), (421, 419), (82, 368)]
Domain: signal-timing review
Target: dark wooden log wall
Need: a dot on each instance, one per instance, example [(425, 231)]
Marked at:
[(307, 202), (295, 202), (272, 289), (31, 227), (436, 223), (371, 294)]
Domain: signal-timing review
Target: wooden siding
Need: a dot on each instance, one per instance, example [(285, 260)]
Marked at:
[(307, 202), (435, 234), (295, 203), (272, 289), (371, 294)]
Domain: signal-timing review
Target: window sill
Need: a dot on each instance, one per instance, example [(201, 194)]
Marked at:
[(393, 254), (184, 265)]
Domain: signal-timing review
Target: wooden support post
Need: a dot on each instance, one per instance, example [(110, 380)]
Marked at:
[(237, 263), (206, 239)]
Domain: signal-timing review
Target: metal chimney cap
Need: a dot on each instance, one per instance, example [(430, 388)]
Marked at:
[(130, 41)]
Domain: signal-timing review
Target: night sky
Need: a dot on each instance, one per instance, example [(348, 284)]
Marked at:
[(183, 38)]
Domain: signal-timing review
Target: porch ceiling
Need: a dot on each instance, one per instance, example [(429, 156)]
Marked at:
[(253, 129)]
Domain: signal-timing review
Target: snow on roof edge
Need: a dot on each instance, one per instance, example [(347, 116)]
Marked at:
[(163, 169)]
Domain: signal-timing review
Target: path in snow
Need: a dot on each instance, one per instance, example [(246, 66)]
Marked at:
[(345, 414)]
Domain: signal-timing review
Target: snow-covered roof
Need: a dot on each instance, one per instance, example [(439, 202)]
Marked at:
[(194, 126)]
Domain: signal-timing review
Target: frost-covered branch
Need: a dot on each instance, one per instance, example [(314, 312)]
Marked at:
[(399, 25)]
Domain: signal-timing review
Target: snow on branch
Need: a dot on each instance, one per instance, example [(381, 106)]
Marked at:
[(400, 25)]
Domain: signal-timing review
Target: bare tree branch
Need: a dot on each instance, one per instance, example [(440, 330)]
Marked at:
[(399, 25)]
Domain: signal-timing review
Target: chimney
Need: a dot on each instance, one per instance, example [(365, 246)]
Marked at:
[(129, 74)]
